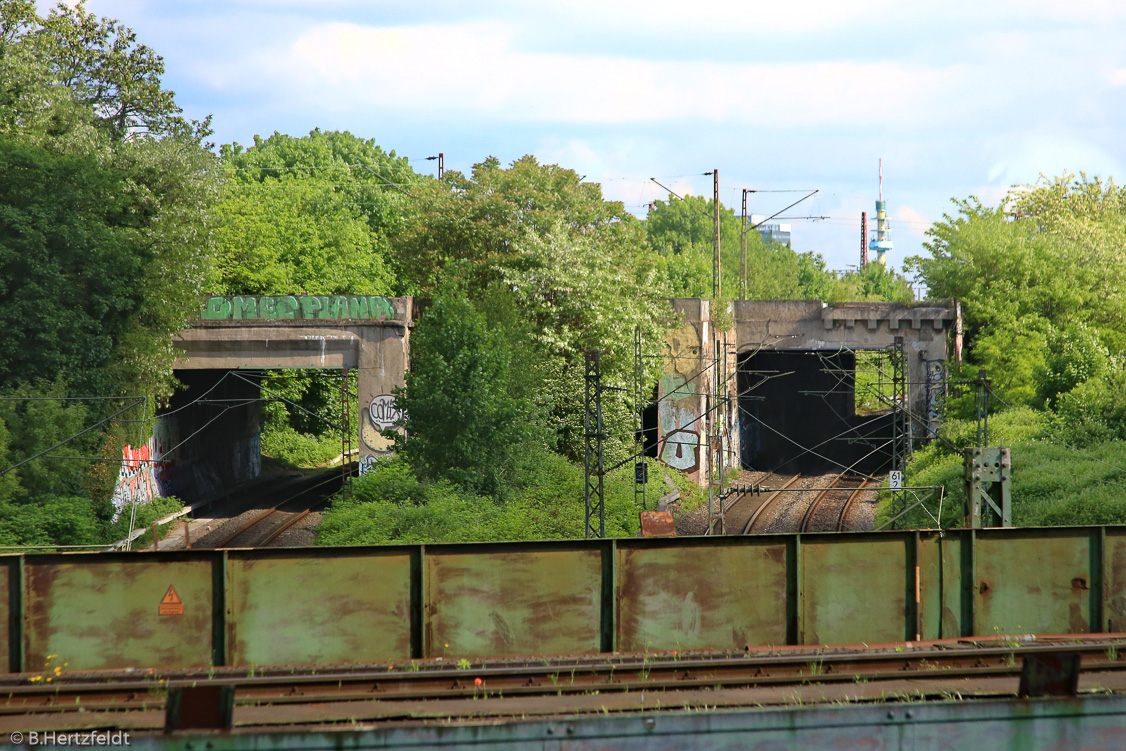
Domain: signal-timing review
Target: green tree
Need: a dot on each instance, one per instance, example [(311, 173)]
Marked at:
[(1049, 258), (102, 212), (470, 411), (472, 227), (104, 252), (873, 282), (310, 215), (682, 232), (575, 267)]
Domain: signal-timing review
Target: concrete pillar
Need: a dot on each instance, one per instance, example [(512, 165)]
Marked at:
[(384, 354)]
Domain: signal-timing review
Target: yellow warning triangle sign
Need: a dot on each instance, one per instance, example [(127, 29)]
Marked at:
[(171, 604)]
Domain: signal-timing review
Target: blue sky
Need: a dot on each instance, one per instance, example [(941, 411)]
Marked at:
[(958, 97)]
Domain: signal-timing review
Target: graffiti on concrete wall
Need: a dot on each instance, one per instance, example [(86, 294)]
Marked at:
[(135, 483), (147, 471), (678, 411), (297, 307), (381, 414)]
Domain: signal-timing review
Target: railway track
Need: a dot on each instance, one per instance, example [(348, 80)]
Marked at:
[(261, 527), (828, 511), (441, 689), (767, 502)]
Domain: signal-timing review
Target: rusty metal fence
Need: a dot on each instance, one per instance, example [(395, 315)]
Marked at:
[(372, 604)]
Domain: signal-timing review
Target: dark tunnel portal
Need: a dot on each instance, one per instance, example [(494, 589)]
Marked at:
[(797, 400)]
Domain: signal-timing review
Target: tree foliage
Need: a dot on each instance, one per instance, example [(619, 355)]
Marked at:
[(469, 403), (1033, 273), (104, 252), (472, 227), (310, 215), (681, 232), (102, 215)]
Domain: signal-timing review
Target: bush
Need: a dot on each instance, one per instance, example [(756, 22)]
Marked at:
[(292, 448), (1093, 412), (470, 407), (391, 505), (1053, 484)]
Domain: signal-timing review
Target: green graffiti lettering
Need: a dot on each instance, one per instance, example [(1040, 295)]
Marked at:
[(216, 308), (380, 307), (244, 307), (288, 307), (357, 307), (310, 306), (274, 307), (341, 305)]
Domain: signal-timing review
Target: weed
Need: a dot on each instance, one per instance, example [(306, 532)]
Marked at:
[(1112, 653), (464, 664)]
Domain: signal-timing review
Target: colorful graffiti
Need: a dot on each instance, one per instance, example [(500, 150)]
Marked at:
[(297, 307), (147, 471)]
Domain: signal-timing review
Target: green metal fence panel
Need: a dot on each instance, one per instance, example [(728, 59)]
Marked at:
[(1114, 611), (513, 599), (370, 604), (855, 588), (102, 610), (955, 585), (1034, 581), (930, 585), (319, 606), (11, 582), (716, 593)]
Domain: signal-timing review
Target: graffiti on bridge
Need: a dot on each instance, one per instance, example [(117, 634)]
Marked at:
[(682, 450), (297, 307), (381, 414), (147, 471)]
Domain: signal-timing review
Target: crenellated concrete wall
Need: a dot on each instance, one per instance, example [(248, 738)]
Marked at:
[(812, 325), (685, 412)]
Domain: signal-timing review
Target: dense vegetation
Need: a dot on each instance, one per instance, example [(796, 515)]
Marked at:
[(116, 216), (1041, 279), (104, 251)]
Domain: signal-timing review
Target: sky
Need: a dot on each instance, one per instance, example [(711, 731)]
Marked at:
[(958, 97)]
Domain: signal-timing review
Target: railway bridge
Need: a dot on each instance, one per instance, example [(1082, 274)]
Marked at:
[(799, 385), (774, 382)]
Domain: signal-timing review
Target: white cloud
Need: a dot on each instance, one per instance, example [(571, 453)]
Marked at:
[(1023, 157), (477, 70), (908, 216)]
